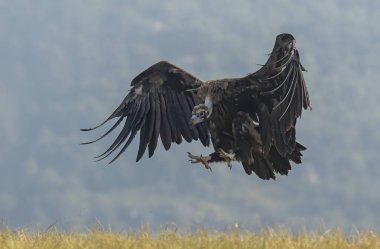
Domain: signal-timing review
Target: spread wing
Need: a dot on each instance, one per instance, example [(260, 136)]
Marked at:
[(278, 90), (157, 105)]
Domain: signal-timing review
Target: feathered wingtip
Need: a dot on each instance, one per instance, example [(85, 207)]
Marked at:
[(105, 134), (93, 128), (116, 113)]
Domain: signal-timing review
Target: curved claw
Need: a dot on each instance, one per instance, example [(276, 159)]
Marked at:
[(199, 159), (228, 157)]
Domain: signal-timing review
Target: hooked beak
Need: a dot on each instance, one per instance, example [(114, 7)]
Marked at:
[(194, 120)]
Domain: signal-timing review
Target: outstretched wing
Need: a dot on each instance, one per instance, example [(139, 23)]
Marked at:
[(279, 92), (158, 105), (283, 83)]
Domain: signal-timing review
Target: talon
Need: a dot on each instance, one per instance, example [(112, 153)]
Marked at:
[(228, 157), (200, 159)]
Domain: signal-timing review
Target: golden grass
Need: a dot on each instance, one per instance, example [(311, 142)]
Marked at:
[(203, 239)]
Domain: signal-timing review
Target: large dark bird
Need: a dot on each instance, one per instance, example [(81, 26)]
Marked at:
[(251, 119)]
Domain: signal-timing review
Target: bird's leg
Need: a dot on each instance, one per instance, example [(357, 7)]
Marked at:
[(200, 159), (228, 157)]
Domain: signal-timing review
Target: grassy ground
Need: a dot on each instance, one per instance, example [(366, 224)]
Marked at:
[(174, 240)]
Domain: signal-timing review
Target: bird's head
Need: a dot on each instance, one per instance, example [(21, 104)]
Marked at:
[(199, 114)]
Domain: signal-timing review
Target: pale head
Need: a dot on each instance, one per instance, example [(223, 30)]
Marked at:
[(199, 114)]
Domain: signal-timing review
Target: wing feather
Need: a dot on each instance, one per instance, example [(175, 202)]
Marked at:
[(175, 134), (165, 132), (181, 121), (156, 129), (147, 129), (132, 124), (105, 134), (158, 105)]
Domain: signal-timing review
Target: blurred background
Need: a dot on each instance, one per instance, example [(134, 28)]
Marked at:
[(66, 65)]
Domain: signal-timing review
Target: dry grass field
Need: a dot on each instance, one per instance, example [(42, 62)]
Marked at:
[(174, 240)]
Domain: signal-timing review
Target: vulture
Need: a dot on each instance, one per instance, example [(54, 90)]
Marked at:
[(249, 120)]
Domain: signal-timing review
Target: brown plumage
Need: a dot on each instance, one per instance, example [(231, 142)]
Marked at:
[(251, 119)]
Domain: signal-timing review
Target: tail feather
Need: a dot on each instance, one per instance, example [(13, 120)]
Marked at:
[(261, 166), (265, 167), (296, 154), (280, 164), (247, 167)]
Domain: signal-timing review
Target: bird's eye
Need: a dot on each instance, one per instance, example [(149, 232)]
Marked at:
[(201, 114)]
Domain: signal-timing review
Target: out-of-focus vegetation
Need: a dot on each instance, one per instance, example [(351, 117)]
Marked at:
[(203, 239), (65, 65)]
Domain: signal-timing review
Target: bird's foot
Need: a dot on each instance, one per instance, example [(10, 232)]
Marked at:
[(200, 159), (228, 157)]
